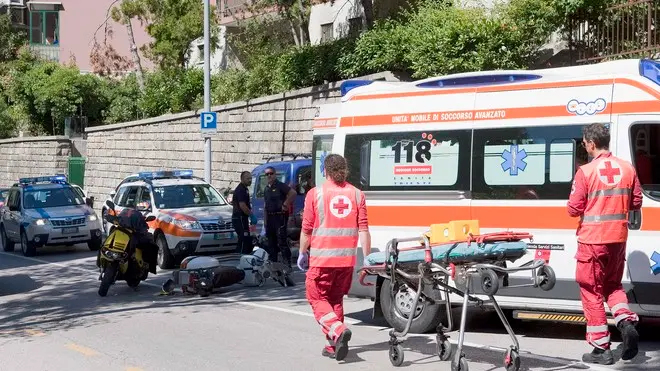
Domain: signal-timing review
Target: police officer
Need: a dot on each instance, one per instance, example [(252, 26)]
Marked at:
[(278, 198), (242, 214), (604, 190)]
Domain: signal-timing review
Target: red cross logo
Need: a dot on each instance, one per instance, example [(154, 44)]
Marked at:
[(609, 172), (340, 206)]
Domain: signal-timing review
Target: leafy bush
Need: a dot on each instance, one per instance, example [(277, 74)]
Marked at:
[(433, 37)]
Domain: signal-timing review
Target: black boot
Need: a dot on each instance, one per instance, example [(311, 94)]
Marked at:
[(630, 339), (599, 356)]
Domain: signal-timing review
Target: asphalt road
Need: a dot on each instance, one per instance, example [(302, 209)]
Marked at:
[(52, 318)]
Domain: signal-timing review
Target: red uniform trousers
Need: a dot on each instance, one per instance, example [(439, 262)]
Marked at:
[(599, 273), (326, 288)]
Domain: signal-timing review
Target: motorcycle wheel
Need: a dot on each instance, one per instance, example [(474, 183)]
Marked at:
[(108, 278), (133, 282)]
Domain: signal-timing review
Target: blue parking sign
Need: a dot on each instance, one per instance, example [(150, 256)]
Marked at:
[(209, 122)]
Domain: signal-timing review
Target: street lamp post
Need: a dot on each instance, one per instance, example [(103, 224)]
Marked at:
[(207, 88)]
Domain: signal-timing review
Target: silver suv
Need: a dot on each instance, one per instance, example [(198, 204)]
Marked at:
[(47, 211)]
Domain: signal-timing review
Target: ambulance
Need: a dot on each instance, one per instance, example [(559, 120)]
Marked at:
[(500, 147)]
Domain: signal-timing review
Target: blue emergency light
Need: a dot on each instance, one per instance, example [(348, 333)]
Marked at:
[(164, 174), (349, 85), (59, 178), (650, 69), (478, 80)]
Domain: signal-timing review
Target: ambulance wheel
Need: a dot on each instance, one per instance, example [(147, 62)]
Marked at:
[(490, 282), (444, 349), (396, 355), (512, 360), (547, 276), (461, 366)]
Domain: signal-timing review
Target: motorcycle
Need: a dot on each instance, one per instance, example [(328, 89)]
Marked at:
[(120, 258)]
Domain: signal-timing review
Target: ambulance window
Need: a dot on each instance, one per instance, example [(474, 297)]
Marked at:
[(321, 147), (645, 148), (430, 160), (526, 163)]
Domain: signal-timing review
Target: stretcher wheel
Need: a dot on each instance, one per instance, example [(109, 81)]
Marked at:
[(461, 366), (443, 348), (490, 282), (512, 360), (396, 355), (547, 277)]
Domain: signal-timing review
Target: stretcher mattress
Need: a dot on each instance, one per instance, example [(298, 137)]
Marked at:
[(458, 253)]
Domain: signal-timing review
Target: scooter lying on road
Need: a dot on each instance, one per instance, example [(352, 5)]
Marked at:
[(122, 256), (201, 274)]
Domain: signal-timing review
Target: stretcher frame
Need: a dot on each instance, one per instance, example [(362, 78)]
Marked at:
[(432, 273)]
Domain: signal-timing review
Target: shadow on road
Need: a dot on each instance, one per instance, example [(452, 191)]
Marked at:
[(427, 347), (56, 297)]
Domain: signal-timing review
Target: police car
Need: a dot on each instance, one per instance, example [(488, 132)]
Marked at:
[(192, 217), (47, 211)]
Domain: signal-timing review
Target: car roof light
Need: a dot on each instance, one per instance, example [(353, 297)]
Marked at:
[(59, 178), (166, 174)]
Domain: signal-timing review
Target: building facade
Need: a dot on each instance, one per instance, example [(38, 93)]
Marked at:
[(66, 30)]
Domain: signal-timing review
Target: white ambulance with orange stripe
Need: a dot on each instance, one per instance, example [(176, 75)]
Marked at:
[(500, 147)]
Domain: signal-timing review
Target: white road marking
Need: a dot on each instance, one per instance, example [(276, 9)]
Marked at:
[(308, 314)]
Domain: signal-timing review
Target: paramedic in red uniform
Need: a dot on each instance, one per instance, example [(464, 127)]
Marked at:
[(335, 217), (604, 190)]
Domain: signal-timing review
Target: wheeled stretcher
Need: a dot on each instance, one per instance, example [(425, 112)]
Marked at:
[(462, 256)]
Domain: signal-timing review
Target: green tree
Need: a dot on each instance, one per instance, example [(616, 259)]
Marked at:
[(174, 25), (11, 39)]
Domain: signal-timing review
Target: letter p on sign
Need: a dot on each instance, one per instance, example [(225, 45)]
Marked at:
[(209, 122)]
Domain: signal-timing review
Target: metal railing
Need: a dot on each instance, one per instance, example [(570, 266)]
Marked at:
[(49, 52), (627, 29)]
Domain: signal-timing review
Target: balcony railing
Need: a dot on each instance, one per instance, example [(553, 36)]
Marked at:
[(628, 29), (49, 52)]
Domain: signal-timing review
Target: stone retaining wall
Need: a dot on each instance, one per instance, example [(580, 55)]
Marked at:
[(247, 131), (32, 156)]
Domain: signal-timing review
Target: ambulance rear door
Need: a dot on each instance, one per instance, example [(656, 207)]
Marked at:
[(638, 141)]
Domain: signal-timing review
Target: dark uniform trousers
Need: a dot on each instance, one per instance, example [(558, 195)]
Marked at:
[(242, 227), (276, 225)]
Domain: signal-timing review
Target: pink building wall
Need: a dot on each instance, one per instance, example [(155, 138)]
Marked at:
[(80, 19)]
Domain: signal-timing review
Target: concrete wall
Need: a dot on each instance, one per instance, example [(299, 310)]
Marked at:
[(247, 131), (32, 156)]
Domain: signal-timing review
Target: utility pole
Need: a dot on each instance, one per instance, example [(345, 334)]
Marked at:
[(207, 88)]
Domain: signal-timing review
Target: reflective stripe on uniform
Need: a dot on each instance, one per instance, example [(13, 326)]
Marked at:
[(626, 316), (602, 341), (331, 252), (334, 232), (320, 205), (334, 328), (604, 218), (610, 192), (602, 328), (618, 307), (327, 317)]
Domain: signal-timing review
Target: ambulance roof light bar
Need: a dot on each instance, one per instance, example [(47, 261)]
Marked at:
[(349, 85), (478, 80), (57, 179), (650, 69)]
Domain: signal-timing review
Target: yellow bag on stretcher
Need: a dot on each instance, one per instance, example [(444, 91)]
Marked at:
[(455, 230)]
